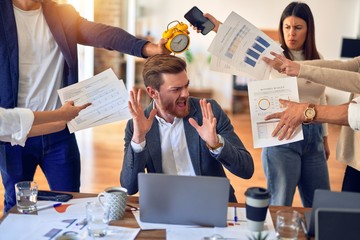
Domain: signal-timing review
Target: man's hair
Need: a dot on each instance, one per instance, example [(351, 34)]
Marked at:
[(300, 10), (156, 65)]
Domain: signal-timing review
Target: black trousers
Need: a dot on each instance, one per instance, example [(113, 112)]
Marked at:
[(351, 182)]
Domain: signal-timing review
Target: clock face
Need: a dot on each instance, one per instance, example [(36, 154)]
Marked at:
[(179, 43)]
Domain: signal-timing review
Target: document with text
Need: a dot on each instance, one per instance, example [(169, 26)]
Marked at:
[(264, 98), (107, 95), (239, 47)]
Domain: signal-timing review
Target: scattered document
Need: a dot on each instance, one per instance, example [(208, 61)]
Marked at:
[(239, 47), (108, 96), (234, 229), (264, 100), (24, 227)]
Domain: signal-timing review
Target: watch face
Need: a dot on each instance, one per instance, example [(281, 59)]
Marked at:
[(310, 113), (179, 43)]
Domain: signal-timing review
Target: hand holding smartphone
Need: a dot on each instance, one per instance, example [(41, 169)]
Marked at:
[(196, 17)]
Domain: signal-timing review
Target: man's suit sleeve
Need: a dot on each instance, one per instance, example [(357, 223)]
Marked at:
[(234, 156), (133, 163)]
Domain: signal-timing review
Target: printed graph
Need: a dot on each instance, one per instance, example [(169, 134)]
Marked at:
[(253, 53)]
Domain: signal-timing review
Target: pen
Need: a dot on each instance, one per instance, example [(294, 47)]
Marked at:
[(304, 228), (235, 215), (48, 206)]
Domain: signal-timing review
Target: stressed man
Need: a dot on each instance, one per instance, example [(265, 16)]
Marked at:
[(178, 134)]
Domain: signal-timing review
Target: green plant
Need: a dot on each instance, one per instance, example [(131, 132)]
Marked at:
[(259, 236)]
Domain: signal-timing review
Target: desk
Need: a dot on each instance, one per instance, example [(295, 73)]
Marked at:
[(129, 219)]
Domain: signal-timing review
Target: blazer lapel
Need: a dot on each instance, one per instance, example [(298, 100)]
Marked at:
[(9, 44), (193, 138)]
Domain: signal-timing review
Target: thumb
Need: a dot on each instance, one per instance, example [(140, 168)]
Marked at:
[(163, 41), (284, 103), (194, 123), (152, 114)]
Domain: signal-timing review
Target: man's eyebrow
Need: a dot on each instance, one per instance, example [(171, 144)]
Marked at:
[(177, 87)]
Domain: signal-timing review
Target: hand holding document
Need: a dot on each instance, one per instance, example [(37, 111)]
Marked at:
[(264, 100), (239, 46), (107, 95)]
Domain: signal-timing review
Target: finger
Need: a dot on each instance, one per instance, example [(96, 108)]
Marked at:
[(163, 41), (273, 116), (277, 129), (209, 110), (203, 108), (284, 103), (152, 114), (139, 96), (289, 133), (194, 124), (267, 60), (85, 106)]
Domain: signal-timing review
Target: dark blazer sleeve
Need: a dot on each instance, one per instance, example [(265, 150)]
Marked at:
[(79, 30), (234, 155), (133, 163)]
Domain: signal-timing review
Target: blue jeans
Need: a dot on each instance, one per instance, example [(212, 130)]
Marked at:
[(300, 164), (58, 156)]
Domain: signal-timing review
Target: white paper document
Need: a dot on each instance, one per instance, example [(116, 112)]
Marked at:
[(239, 47), (107, 95), (264, 98), (234, 230)]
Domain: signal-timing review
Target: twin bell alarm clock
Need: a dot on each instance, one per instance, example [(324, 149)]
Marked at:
[(177, 36)]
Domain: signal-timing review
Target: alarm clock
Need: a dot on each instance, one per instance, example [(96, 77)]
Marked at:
[(177, 36)]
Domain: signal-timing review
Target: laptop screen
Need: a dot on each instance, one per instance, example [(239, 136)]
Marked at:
[(329, 199), (186, 200), (335, 224)]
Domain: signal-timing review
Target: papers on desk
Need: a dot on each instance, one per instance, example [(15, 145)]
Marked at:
[(238, 49), (236, 230), (108, 96), (263, 100), (52, 222)]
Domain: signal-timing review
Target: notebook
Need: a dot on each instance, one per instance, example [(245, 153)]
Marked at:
[(186, 200), (329, 199), (337, 223)]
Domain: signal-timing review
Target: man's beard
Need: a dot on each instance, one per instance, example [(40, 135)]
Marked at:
[(172, 109)]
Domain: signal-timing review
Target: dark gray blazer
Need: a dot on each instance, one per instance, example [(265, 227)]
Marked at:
[(233, 156)]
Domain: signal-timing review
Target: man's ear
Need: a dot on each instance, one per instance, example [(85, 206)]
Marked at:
[(152, 92)]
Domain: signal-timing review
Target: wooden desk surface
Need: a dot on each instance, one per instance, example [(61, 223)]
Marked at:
[(130, 221)]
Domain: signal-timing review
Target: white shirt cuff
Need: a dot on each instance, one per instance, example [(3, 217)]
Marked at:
[(26, 122), (354, 114), (138, 147), (218, 150)]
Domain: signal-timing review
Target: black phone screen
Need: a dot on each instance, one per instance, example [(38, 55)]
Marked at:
[(196, 18)]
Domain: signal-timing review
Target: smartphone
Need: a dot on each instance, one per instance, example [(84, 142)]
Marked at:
[(196, 18), (54, 196)]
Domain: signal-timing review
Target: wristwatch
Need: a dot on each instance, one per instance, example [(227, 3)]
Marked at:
[(218, 145), (309, 113)]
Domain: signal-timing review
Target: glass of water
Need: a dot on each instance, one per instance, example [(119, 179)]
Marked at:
[(26, 196), (97, 219), (287, 224)]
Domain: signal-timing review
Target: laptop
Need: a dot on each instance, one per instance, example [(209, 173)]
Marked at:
[(185, 200), (337, 223), (329, 199)]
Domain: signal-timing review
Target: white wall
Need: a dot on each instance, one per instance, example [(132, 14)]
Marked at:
[(334, 19)]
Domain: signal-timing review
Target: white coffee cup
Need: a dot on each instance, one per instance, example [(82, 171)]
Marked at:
[(114, 198), (257, 203)]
